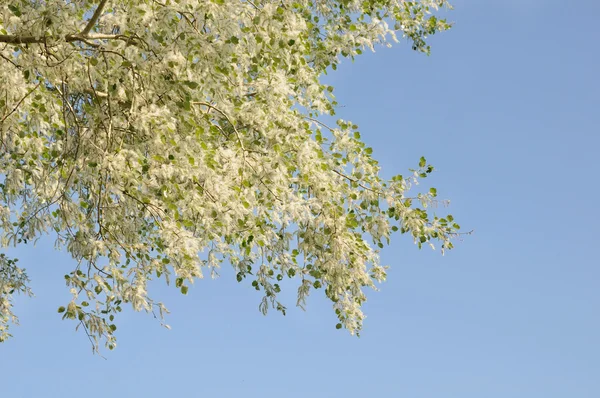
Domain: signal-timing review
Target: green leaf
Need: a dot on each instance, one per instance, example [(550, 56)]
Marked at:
[(338, 326), (191, 84), (15, 10), (422, 162), (61, 310)]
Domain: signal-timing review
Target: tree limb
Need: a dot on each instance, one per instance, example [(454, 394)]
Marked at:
[(15, 39), (94, 18)]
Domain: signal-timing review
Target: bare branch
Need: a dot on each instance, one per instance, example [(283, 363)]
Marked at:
[(94, 18)]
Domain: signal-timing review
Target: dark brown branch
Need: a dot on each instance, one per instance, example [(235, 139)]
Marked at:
[(11, 61)]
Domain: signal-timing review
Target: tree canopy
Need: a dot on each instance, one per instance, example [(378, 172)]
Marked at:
[(160, 138)]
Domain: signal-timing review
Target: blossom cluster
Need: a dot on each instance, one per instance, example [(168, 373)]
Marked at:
[(161, 138)]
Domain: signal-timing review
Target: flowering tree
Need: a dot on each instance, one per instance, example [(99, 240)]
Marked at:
[(159, 138)]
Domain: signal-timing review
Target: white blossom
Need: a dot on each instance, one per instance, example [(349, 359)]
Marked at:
[(156, 139)]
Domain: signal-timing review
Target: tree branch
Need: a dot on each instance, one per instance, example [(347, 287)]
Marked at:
[(357, 182), (19, 103), (94, 18), (237, 133), (14, 39)]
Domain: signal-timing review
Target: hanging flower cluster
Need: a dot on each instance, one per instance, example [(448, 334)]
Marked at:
[(161, 138)]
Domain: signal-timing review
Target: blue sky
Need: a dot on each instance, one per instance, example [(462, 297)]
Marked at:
[(506, 108)]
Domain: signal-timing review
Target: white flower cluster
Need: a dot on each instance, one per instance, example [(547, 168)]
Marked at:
[(159, 138)]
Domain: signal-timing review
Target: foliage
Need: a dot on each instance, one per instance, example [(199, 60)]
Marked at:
[(142, 133), (12, 280)]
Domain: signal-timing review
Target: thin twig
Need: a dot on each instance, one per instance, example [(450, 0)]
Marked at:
[(320, 123), (356, 181), (20, 102), (9, 60), (237, 133)]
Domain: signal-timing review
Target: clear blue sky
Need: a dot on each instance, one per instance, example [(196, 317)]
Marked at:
[(507, 109)]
